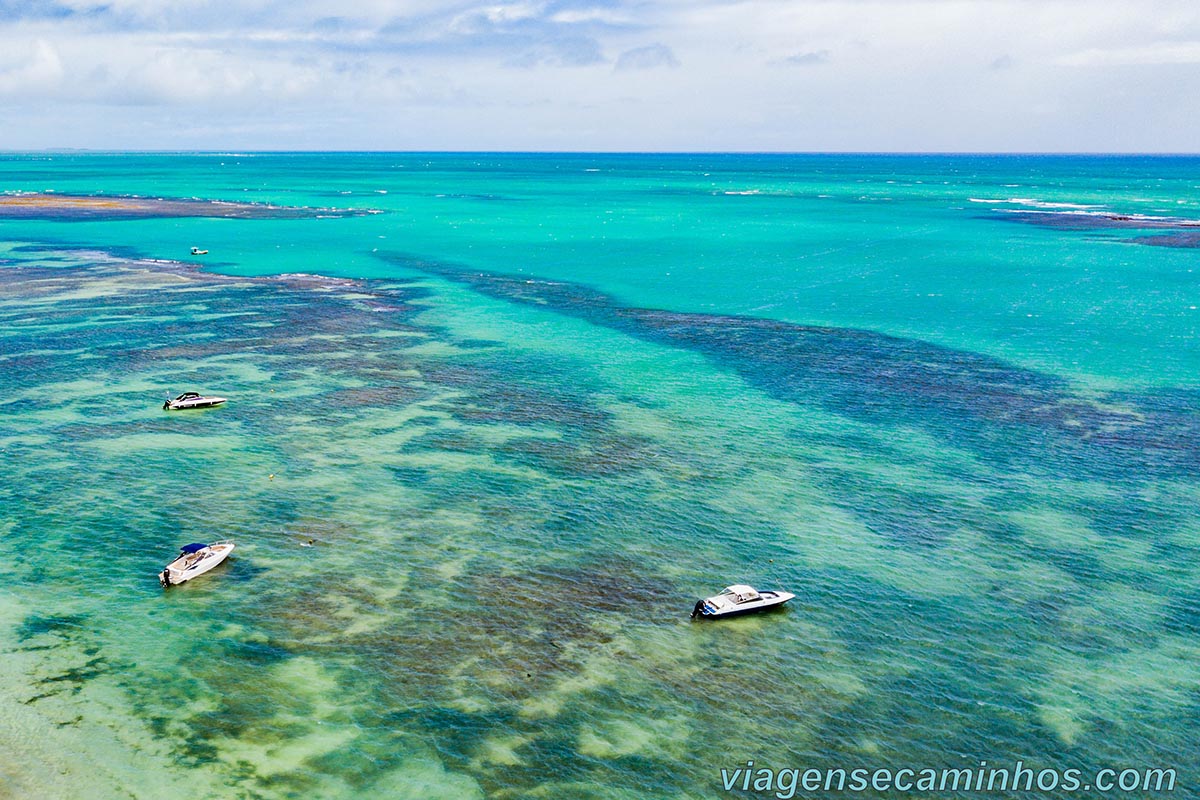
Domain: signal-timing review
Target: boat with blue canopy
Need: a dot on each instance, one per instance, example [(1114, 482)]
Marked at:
[(194, 559)]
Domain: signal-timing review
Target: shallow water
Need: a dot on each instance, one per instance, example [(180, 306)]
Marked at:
[(531, 412)]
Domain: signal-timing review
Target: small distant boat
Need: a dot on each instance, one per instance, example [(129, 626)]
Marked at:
[(738, 599), (196, 251), (192, 400), (194, 559)]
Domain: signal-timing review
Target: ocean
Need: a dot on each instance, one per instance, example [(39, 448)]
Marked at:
[(496, 421)]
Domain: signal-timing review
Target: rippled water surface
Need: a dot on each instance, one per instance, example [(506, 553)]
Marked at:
[(532, 407)]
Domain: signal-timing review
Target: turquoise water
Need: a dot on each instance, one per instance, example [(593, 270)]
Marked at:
[(540, 403)]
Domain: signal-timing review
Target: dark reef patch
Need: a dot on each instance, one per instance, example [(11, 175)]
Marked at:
[(69, 208), (376, 396), (512, 395), (411, 476), (1185, 233), (1183, 615), (597, 456), (968, 398), (76, 677), (63, 625), (1182, 239), (1091, 221)]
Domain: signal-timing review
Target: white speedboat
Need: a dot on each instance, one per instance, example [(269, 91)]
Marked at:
[(194, 559), (196, 251), (739, 599), (192, 400)]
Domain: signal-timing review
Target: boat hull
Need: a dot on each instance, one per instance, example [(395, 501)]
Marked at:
[(205, 402), (771, 601)]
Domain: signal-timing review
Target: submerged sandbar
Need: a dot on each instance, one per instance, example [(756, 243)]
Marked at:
[(60, 207)]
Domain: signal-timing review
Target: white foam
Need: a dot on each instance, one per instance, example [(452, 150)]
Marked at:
[(1174, 221), (1033, 203)]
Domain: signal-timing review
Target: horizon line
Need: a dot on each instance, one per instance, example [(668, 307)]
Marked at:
[(314, 151)]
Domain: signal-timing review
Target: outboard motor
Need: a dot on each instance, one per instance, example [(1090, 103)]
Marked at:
[(697, 608), (164, 578)]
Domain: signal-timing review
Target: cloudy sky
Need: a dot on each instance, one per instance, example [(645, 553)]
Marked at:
[(791, 75)]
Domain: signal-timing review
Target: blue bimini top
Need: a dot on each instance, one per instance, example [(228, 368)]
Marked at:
[(193, 548)]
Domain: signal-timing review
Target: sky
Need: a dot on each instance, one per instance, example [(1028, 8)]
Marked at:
[(602, 75)]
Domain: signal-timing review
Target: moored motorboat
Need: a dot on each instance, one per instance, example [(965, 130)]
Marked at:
[(194, 559), (192, 400), (739, 599), (196, 251)]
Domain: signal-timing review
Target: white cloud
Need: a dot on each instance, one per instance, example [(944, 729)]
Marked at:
[(811, 57), (485, 19), (1001, 62), (648, 57), (1157, 53), (606, 16), (30, 69)]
